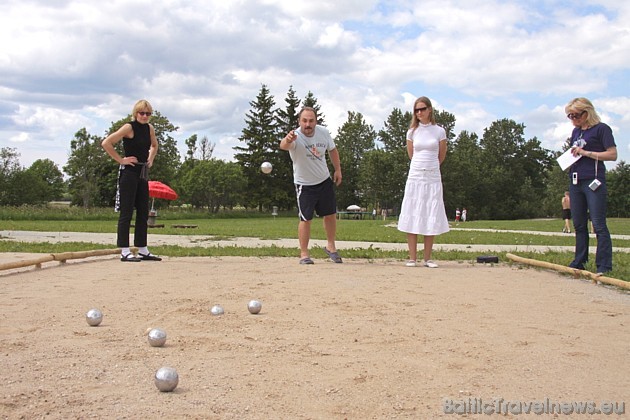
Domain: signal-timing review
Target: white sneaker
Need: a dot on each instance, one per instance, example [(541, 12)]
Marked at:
[(430, 264), (411, 263)]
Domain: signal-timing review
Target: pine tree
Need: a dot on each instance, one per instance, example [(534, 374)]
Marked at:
[(287, 120), (388, 171), (311, 101), (261, 139), (354, 139), (393, 135)]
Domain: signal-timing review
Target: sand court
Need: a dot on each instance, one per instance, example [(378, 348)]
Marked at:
[(363, 339)]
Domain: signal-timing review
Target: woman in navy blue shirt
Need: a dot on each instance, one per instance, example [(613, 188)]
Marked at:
[(593, 141)]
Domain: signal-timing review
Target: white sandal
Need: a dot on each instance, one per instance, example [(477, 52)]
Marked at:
[(430, 264)]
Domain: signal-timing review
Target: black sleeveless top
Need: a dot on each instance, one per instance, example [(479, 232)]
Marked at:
[(140, 144)]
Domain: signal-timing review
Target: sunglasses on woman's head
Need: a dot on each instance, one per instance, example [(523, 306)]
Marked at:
[(144, 114), (424, 108)]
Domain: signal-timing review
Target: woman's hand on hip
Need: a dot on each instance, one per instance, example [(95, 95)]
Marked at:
[(130, 160)]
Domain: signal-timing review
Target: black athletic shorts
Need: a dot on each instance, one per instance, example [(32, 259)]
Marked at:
[(318, 198), (566, 214)]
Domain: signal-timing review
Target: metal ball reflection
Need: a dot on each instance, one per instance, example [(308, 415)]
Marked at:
[(217, 310), (157, 337), (94, 317), (254, 306), (166, 379)]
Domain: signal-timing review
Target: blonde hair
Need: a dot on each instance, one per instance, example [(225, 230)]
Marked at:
[(414, 118), (578, 105), (141, 105)]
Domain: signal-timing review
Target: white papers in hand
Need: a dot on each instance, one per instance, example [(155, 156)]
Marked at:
[(567, 159)]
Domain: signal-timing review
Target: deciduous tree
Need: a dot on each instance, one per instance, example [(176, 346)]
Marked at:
[(49, 173), (9, 166), (90, 171), (618, 184), (514, 172)]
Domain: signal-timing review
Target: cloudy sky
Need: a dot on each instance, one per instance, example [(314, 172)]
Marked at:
[(65, 65)]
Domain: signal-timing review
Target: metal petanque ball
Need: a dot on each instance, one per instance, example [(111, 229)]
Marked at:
[(266, 167), (217, 310), (254, 306), (157, 337), (166, 379), (94, 317)]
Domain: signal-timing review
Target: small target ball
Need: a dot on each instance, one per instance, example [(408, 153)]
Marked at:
[(266, 167), (166, 379), (254, 306), (217, 310), (94, 317), (157, 337)]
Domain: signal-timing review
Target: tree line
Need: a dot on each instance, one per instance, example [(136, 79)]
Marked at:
[(500, 175)]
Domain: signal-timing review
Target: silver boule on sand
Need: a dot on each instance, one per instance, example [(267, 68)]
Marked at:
[(254, 306), (166, 379), (217, 310), (157, 337), (94, 317)]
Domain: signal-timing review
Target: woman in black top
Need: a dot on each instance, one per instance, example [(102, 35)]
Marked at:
[(140, 146)]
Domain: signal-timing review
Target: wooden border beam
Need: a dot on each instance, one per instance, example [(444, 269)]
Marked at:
[(573, 271)]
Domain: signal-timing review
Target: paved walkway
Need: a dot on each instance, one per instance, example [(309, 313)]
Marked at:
[(208, 241), (534, 232)]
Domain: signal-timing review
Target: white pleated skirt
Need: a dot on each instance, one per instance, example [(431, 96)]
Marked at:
[(422, 211)]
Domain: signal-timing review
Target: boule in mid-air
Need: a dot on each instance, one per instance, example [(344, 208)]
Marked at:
[(266, 167)]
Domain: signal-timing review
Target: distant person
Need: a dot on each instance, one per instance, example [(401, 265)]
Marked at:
[(422, 211), (566, 212), (140, 147), (593, 142), (374, 213), (314, 188), (464, 214), (457, 214), (384, 214)]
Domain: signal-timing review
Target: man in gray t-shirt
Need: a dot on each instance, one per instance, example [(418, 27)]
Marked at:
[(313, 186)]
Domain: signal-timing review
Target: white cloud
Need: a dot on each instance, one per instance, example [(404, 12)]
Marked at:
[(52, 121), (20, 138), (65, 65)]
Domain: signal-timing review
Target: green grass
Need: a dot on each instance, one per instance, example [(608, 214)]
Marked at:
[(617, 226), (265, 227)]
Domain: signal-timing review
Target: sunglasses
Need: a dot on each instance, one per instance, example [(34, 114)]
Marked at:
[(420, 109), (144, 114), (575, 116)]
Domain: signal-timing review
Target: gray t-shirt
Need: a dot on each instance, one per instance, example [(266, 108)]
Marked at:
[(309, 156)]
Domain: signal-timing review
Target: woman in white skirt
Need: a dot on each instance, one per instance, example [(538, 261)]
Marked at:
[(422, 211)]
